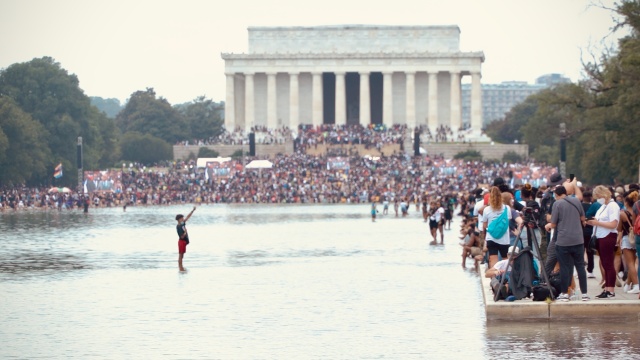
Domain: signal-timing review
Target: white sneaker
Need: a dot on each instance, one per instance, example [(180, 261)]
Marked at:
[(634, 290), (563, 297), (590, 275), (626, 287)]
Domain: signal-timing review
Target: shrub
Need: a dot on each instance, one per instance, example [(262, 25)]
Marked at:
[(469, 155), (512, 157), (238, 154)]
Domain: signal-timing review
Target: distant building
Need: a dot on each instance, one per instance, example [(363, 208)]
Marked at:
[(498, 99)]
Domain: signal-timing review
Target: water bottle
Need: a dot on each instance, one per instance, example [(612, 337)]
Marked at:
[(578, 294)]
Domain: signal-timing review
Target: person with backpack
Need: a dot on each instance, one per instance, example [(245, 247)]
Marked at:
[(496, 218), (587, 230)]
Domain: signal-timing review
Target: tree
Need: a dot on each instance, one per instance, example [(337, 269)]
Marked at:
[(204, 117), (146, 114), (111, 107), (509, 129), (23, 153), (145, 148), (52, 97)]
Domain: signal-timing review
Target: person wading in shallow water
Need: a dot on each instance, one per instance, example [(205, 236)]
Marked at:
[(183, 236)]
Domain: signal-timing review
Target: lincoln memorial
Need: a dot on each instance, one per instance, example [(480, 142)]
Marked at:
[(351, 74)]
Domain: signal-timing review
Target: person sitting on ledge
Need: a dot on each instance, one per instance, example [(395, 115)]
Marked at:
[(503, 266)]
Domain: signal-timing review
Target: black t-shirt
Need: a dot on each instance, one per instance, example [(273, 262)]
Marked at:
[(182, 229)]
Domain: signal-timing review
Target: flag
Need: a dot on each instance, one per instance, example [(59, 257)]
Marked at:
[(57, 172)]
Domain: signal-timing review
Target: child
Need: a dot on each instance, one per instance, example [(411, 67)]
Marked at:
[(183, 236)]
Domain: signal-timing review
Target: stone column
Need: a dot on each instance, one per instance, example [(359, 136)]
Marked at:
[(476, 102), (341, 99), (365, 99), (411, 100), (433, 101), (387, 99), (316, 96), (456, 119), (249, 103), (230, 104), (294, 103), (272, 107)]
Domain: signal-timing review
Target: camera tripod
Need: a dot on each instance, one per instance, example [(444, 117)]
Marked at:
[(531, 236)]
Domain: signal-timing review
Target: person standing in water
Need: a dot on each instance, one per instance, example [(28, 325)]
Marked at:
[(183, 236)]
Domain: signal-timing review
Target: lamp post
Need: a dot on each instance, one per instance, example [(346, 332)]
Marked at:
[(79, 159), (563, 150)]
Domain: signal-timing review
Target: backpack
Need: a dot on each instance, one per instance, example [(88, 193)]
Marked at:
[(500, 225), (636, 224), (541, 292)]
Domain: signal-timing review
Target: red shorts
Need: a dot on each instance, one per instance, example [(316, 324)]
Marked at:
[(182, 246)]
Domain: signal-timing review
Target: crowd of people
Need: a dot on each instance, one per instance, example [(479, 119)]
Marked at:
[(296, 178), (559, 227), (557, 221), (239, 136)]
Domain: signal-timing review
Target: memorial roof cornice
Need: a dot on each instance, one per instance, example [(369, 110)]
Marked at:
[(353, 26), (355, 55)]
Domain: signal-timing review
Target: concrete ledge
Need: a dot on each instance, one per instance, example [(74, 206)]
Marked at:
[(521, 309), (515, 310), (525, 309), (593, 309)]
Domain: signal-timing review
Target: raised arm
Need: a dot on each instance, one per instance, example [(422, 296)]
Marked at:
[(191, 213)]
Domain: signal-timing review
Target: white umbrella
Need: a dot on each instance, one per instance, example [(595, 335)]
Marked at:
[(59, 190), (260, 164)]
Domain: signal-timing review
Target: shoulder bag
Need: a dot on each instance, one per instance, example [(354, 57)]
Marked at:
[(499, 225)]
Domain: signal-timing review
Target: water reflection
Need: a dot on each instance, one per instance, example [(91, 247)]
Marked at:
[(263, 282), (564, 339)]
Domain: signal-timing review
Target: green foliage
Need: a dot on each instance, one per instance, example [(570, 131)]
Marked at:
[(547, 154), (203, 117), (146, 149), (52, 97), (144, 113), (205, 152), (111, 107), (512, 157), (508, 130), (238, 154), (469, 155), (23, 153)]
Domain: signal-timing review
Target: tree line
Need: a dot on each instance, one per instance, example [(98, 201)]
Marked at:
[(601, 113), (43, 111)]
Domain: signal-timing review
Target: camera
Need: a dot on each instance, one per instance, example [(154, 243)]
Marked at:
[(530, 217)]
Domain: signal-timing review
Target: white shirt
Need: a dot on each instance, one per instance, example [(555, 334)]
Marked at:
[(606, 213), (489, 215)]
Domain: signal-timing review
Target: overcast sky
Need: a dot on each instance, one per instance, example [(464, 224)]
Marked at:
[(117, 47)]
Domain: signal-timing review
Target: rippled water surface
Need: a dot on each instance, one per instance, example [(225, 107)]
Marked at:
[(276, 282)]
